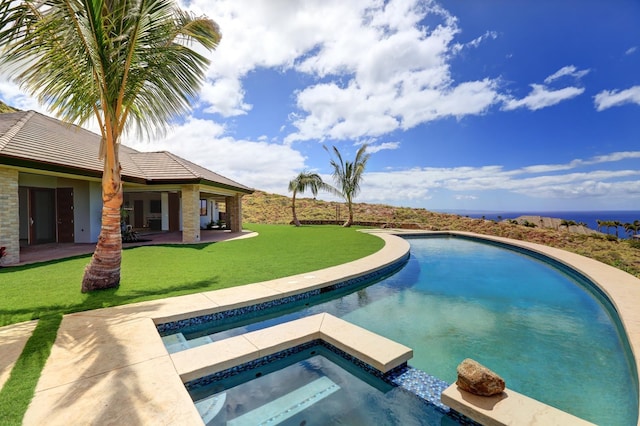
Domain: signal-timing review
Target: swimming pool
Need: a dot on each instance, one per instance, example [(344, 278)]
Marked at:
[(533, 324)]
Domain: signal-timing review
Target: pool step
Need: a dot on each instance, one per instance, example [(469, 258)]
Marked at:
[(199, 341), (288, 405), (209, 407), (177, 342)]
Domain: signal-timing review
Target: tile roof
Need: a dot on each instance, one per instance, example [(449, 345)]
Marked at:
[(28, 137)]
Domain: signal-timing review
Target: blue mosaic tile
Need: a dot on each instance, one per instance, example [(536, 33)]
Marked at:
[(416, 382), (176, 326)]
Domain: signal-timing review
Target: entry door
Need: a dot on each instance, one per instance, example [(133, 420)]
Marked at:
[(42, 215), (64, 209), (174, 211), (138, 214)]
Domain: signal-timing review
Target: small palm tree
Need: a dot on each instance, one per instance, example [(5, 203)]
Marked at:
[(306, 180), (121, 62), (348, 175)]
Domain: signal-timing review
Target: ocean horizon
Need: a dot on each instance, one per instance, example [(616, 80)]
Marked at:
[(588, 217)]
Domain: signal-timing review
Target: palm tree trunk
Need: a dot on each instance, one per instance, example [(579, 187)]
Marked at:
[(104, 269), (349, 221), (296, 222)]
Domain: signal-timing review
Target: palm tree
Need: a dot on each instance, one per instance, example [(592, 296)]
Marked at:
[(347, 176), (306, 180), (119, 62)]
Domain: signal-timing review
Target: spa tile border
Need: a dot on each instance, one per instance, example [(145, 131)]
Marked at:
[(416, 382), (176, 326)]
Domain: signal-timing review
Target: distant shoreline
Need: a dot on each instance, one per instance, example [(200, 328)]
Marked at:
[(589, 218)]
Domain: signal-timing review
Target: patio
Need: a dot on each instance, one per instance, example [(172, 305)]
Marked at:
[(53, 251)]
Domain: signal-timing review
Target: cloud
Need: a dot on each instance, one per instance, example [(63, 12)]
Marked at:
[(476, 41), (631, 50), (225, 96), (542, 97), (569, 70), (373, 148), (414, 186), (257, 164), (611, 98), (12, 95), (376, 67)]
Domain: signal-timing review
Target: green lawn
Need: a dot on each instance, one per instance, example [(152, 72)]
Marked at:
[(49, 290), (153, 272)]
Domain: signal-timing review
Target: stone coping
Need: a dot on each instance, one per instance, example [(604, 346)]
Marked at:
[(394, 250), (110, 366), (377, 351), (507, 409)]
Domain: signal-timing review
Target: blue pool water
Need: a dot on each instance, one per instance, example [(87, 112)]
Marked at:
[(313, 387), (533, 324)]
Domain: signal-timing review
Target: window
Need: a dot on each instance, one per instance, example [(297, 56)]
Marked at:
[(155, 206), (203, 207)]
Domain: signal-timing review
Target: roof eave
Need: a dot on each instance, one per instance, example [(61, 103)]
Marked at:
[(197, 181)]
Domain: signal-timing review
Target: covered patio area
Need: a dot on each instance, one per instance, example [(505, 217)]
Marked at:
[(54, 251)]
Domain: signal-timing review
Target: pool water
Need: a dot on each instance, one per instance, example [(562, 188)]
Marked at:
[(311, 388), (533, 324)]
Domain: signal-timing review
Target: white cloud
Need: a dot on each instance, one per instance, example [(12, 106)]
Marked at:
[(631, 50), (257, 164), (380, 68), (476, 41), (414, 186), (569, 70), (373, 148), (542, 97), (225, 96), (13, 96), (610, 98)]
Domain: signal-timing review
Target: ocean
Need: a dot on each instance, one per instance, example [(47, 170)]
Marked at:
[(588, 217)]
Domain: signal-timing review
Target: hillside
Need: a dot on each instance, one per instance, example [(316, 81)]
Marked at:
[(261, 207), (6, 108)]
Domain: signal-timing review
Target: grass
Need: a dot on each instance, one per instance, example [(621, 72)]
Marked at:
[(18, 390), (48, 290), (153, 272)]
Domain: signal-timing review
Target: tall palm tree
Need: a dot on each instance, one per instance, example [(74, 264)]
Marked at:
[(306, 180), (121, 62), (347, 176)]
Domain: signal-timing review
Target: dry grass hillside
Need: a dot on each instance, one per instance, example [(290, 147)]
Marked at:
[(261, 207), (6, 108)]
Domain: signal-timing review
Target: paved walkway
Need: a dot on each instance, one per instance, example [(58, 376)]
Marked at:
[(109, 366)]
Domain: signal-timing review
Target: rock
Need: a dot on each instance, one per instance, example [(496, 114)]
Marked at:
[(477, 379)]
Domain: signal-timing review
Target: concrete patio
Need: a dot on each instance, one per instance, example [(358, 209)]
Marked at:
[(53, 251)]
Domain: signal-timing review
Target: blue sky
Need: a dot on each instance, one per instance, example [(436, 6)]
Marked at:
[(488, 105)]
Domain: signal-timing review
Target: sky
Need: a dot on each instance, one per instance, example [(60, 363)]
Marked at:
[(489, 105)]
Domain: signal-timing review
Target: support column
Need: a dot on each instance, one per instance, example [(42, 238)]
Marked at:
[(164, 203), (9, 216), (234, 212), (190, 213)]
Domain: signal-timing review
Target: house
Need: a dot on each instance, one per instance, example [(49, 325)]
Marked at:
[(50, 188)]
